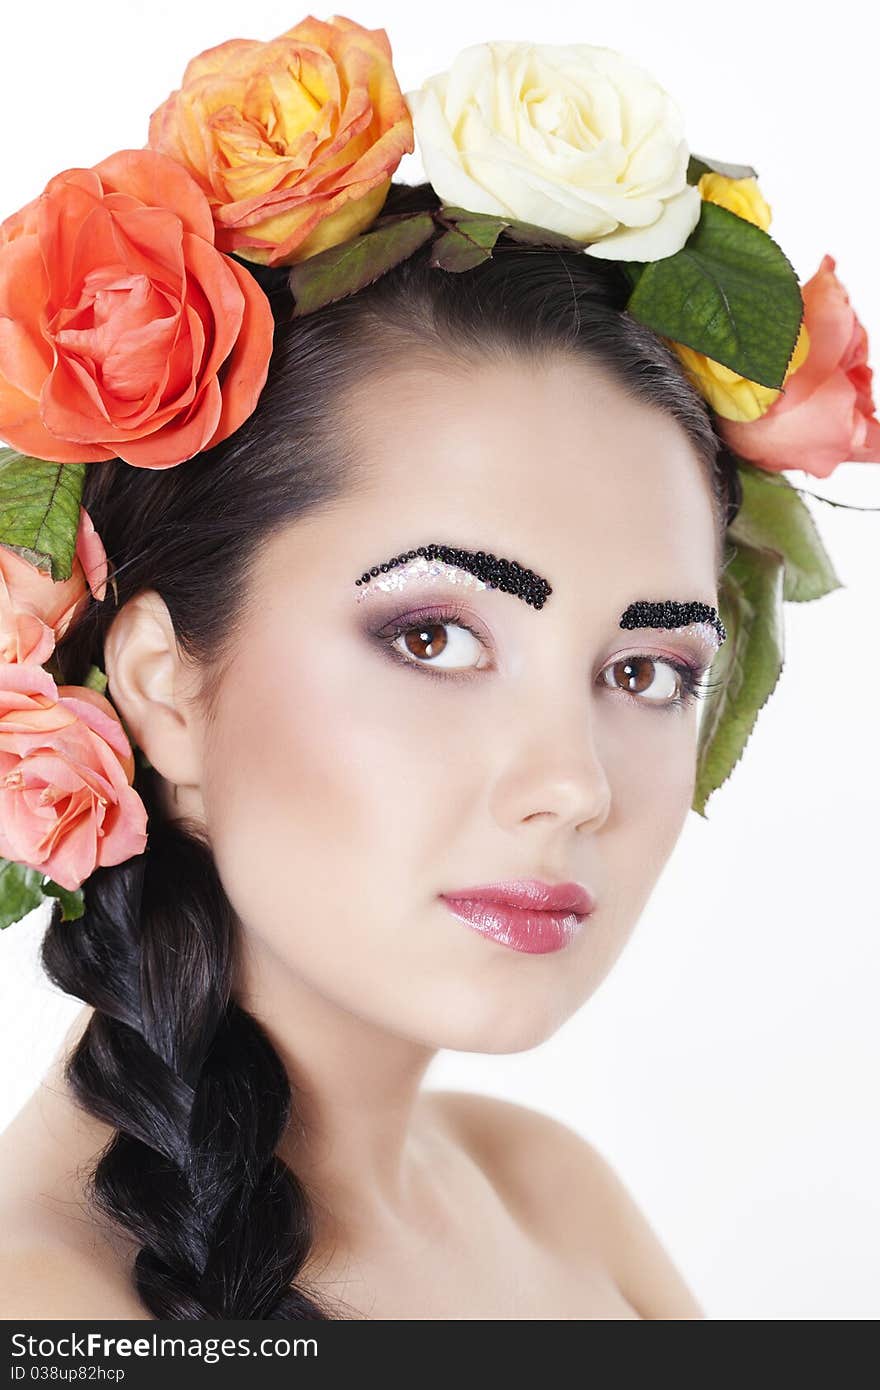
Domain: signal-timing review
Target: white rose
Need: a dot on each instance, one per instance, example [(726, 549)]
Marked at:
[(573, 138)]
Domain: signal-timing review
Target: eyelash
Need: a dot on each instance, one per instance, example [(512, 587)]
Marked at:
[(692, 686)]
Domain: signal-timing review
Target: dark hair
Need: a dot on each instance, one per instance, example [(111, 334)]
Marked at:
[(190, 1082)]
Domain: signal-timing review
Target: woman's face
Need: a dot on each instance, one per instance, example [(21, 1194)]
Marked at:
[(350, 777)]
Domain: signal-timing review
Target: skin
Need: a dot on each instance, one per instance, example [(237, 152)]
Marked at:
[(342, 791)]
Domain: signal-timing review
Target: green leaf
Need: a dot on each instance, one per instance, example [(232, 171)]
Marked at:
[(20, 891), (700, 164), (469, 238), (72, 903), (540, 236), (40, 509), (729, 293), (773, 517), (748, 664), (96, 680), (450, 213), (342, 270)]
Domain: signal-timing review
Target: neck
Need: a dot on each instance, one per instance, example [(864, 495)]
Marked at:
[(354, 1138)]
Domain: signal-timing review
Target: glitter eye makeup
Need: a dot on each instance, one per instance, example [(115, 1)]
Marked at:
[(482, 570), (474, 569), (690, 684)]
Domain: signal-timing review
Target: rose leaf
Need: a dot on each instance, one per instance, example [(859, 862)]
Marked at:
[(773, 517), (730, 293), (343, 269), (72, 903), (748, 664), (20, 891), (40, 510), (700, 164)]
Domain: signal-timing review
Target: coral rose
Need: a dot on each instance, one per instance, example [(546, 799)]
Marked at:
[(124, 332), (826, 414), (293, 141), (574, 138), (35, 611), (66, 803)]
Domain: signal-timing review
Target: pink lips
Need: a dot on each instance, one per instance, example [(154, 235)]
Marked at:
[(525, 914)]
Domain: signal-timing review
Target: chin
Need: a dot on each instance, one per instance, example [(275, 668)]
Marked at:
[(511, 1021)]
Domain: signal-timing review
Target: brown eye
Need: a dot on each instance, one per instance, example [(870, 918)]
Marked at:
[(439, 644), (426, 640), (638, 676)]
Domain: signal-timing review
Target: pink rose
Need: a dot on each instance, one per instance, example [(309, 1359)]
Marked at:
[(825, 414), (66, 765), (35, 611)]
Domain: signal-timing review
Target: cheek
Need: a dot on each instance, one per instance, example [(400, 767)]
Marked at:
[(651, 774), (651, 761), (326, 781)]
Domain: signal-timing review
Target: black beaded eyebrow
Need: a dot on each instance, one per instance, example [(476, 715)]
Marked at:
[(514, 578), (495, 572), (672, 613)]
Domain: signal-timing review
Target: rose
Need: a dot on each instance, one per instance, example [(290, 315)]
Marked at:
[(742, 196), (35, 611), (293, 141), (826, 414), (123, 330), (572, 138), (66, 803), (730, 395)]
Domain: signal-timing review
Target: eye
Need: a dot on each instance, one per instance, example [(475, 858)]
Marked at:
[(638, 675), (437, 640), (440, 643)]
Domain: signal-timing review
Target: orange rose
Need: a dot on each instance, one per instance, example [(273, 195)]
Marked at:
[(293, 141), (825, 414), (35, 611), (66, 803), (124, 332)]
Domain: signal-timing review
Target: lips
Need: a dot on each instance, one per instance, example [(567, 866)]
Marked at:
[(531, 893), (526, 915)]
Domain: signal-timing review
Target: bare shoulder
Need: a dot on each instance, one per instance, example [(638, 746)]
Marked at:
[(58, 1282), (59, 1260), (565, 1190)]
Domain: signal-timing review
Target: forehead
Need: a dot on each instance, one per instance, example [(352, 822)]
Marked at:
[(549, 461)]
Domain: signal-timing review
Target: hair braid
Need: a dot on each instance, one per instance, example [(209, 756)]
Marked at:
[(191, 1083)]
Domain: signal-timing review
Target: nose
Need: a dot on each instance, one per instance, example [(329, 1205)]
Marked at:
[(555, 770)]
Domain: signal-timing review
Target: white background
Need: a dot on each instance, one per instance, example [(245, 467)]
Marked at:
[(728, 1066)]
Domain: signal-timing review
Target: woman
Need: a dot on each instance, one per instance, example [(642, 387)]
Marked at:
[(333, 765)]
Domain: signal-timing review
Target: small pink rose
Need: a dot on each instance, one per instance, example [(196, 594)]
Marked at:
[(91, 555), (825, 414), (66, 801), (35, 611)]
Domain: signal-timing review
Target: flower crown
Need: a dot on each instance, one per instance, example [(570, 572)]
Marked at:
[(133, 326)]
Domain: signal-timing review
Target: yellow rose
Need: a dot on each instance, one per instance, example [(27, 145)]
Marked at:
[(742, 196), (731, 395), (293, 141)]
